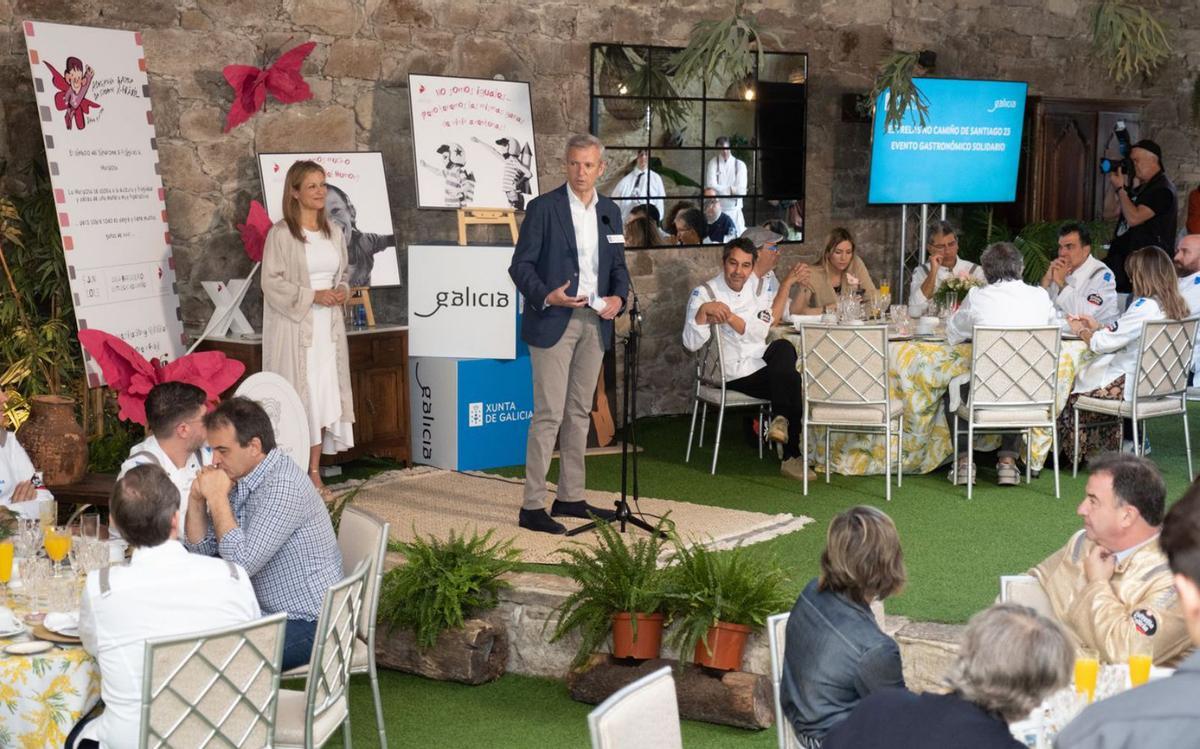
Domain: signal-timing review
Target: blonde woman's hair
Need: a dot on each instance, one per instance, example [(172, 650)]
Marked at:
[(862, 557), (1010, 659), (1152, 274), (837, 235), (291, 206)]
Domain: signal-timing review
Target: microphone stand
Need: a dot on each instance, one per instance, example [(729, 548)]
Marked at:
[(629, 418)]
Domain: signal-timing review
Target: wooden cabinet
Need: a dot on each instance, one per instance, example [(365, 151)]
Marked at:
[(1064, 140), (378, 380)]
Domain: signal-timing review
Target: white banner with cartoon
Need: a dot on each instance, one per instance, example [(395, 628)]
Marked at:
[(93, 101), (472, 142), (356, 199)]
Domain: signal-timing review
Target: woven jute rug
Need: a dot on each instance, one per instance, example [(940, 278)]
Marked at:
[(432, 502)]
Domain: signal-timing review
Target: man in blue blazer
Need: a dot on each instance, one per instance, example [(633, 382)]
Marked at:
[(569, 265)]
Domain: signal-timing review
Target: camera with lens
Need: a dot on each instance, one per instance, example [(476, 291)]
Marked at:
[(1124, 164)]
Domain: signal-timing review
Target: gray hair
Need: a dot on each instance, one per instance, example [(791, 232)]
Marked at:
[(1010, 659), (583, 140), (939, 228), (1002, 261)]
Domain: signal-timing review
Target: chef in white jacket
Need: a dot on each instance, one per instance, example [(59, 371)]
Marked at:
[(1155, 297), (943, 263), (18, 491), (1187, 264), (1078, 283), (640, 186), (729, 303), (727, 174)]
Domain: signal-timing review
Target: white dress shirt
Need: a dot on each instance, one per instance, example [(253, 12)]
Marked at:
[(1189, 288), (1008, 303), (164, 591), (1090, 290), (743, 352), (149, 451), (965, 267), (639, 187), (17, 468), (728, 177), (587, 241), (1118, 346)]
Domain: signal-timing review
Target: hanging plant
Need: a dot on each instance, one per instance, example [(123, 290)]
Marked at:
[(1129, 37), (654, 82), (896, 77), (732, 47)]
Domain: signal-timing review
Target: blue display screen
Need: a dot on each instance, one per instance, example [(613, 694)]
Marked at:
[(967, 152)]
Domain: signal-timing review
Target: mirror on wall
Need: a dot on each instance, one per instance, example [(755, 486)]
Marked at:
[(665, 144)]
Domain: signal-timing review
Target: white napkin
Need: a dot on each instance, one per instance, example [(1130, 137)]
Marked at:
[(64, 623), (8, 620)]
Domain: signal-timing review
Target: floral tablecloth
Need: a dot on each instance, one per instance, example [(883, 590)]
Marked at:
[(43, 696), (921, 372)]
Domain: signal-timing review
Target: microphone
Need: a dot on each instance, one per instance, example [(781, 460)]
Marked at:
[(604, 220)]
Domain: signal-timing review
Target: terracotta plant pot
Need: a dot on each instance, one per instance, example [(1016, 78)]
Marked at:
[(56, 443), (649, 635), (726, 642)]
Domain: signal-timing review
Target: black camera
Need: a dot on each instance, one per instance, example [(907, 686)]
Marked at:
[(1125, 164)]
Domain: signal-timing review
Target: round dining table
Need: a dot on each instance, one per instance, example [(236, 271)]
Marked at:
[(922, 369)]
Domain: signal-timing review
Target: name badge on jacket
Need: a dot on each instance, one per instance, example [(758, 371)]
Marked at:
[(616, 239)]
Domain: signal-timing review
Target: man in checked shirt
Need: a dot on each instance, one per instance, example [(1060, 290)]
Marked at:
[(255, 507)]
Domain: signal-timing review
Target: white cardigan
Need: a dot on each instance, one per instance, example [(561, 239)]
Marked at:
[(287, 313), (1117, 345)]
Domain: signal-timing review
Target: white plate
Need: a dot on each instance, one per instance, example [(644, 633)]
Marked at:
[(33, 647), (65, 631), (12, 632)]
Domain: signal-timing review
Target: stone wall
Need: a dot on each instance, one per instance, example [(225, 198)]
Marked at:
[(366, 48)]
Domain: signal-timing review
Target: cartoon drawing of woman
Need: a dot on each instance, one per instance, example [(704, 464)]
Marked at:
[(72, 91)]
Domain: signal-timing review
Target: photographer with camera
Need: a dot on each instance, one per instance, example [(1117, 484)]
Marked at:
[(1148, 206)]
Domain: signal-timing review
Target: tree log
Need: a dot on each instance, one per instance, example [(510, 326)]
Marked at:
[(475, 654), (730, 698)]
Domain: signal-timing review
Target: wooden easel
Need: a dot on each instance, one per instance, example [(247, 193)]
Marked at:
[(495, 216), (360, 296)]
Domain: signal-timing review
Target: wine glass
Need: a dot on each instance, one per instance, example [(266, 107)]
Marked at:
[(6, 565), (57, 541)]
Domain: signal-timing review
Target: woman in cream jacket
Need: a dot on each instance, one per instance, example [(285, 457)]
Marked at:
[(304, 334)]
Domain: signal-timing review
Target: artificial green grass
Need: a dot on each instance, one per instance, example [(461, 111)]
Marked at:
[(514, 711), (955, 551)]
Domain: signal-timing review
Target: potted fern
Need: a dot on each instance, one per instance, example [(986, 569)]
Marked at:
[(428, 603), (621, 592), (717, 599)]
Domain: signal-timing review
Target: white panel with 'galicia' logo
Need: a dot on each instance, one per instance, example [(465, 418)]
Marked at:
[(461, 302)]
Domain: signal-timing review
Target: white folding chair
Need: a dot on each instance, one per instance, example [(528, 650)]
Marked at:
[(217, 688), (1027, 591), (776, 638), (709, 388), (1014, 388), (846, 389), (310, 717), (641, 715), (361, 536), (1164, 358)]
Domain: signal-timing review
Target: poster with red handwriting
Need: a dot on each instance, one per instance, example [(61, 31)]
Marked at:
[(93, 102), (356, 199), (472, 142)]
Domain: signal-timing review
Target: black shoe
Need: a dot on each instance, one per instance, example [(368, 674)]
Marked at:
[(580, 510), (538, 520)]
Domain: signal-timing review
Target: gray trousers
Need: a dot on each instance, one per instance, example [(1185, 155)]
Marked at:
[(564, 383)]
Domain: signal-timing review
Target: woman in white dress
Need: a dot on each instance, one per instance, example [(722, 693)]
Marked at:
[(304, 335)]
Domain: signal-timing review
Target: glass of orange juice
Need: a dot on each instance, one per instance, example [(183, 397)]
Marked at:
[(1141, 658), (6, 564), (57, 541), (1087, 669)]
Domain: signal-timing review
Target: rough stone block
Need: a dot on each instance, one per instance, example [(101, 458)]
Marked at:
[(193, 20), (181, 170), (236, 12), (402, 12), (353, 58), (300, 128), (202, 124), (180, 54), (144, 13), (189, 215), (335, 17)]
